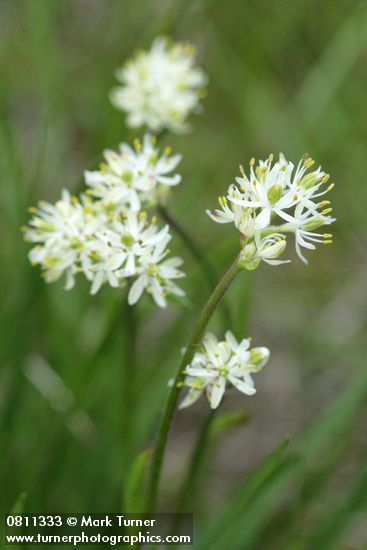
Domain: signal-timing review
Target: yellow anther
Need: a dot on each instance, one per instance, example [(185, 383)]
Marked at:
[(326, 211), (309, 162), (328, 242), (167, 150), (331, 187), (137, 145), (242, 170), (103, 167), (271, 157), (32, 210), (322, 204), (252, 161), (74, 199), (325, 178), (327, 236)]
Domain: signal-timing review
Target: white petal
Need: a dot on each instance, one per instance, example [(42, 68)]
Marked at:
[(219, 216), (70, 281), (97, 282), (241, 386), (263, 219), (166, 180), (195, 371), (157, 293), (217, 391), (276, 262), (191, 397), (231, 340), (136, 290)]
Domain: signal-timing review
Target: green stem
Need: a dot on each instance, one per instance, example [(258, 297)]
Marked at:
[(195, 251), (170, 406), (128, 390)]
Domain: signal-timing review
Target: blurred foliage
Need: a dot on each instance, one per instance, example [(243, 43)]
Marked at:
[(284, 75)]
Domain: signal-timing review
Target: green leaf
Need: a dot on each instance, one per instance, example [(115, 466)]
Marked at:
[(135, 481), (338, 418), (17, 508), (245, 533), (229, 420), (18, 505), (242, 498), (321, 450), (335, 524)]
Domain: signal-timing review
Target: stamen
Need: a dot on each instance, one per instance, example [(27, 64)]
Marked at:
[(137, 145)]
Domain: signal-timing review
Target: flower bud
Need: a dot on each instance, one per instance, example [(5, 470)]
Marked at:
[(273, 249), (246, 224), (311, 179), (259, 356), (248, 258), (313, 224)]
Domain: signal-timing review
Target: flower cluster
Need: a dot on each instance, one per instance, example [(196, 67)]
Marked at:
[(221, 364), (135, 177), (160, 87), (105, 233), (275, 199)]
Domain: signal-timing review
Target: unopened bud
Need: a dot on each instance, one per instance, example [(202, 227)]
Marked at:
[(259, 356), (248, 259), (273, 250), (313, 224), (310, 179)]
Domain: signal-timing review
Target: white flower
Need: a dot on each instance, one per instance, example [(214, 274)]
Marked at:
[(220, 364), (307, 220), (155, 277), (133, 248), (263, 248), (75, 236), (160, 87), (61, 231), (234, 213), (268, 188), (274, 199), (133, 177), (114, 253)]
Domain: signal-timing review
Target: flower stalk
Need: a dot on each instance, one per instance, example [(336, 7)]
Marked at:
[(201, 259), (129, 326), (171, 403)]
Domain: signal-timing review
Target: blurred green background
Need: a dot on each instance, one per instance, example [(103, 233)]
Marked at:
[(285, 75)]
